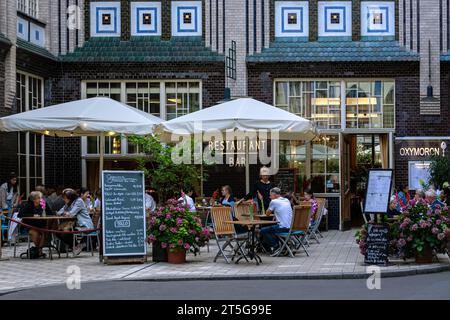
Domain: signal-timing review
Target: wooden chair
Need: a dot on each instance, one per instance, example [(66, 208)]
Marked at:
[(294, 239), (224, 232), (313, 231), (242, 211)]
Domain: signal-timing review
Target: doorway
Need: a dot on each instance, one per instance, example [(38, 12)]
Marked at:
[(359, 154)]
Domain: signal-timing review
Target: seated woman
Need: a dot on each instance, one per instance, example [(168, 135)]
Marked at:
[(33, 208), (227, 197), (309, 197), (74, 207)]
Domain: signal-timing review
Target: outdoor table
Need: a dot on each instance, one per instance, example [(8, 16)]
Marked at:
[(50, 222), (264, 216), (204, 213), (251, 225)]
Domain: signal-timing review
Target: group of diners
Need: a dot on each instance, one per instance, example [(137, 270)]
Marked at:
[(269, 200), (46, 201)]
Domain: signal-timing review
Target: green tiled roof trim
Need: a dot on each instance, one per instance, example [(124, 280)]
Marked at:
[(328, 51), (445, 56), (22, 44), (4, 40), (143, 49)]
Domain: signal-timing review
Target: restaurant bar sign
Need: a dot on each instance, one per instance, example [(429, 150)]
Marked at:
[(123, 213), (235, 151)]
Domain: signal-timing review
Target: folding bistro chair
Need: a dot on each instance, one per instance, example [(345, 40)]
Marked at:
[(294, 239), (313, 230), (225, 233), (89, 235)]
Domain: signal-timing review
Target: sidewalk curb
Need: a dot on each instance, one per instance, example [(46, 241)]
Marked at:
[(297, 276)]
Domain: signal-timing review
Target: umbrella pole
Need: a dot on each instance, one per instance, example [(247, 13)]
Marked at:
[(247, 167), (102, 153)]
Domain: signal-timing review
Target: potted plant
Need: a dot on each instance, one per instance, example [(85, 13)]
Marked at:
[(176, 229), (422, 230)]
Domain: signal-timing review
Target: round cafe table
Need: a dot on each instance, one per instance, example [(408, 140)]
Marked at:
[(251, 225)]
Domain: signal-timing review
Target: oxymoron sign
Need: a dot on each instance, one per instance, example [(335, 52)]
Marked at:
[(123, 213), (377, 244)]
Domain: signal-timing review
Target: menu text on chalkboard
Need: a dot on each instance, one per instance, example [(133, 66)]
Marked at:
[(377, 244), (123, 213)]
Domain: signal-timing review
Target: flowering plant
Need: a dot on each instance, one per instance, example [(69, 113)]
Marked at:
[(42, 204), (421, 227), (175, 227)]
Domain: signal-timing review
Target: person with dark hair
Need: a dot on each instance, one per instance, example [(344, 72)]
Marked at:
[(186, 198), (403, 197), (309, 196), (74, 207), (85, 195), (33, 208), (9, 194)]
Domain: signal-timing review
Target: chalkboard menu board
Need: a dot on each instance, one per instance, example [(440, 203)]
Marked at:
[(378, 191), (376, 244), (285, 180), (123, 213)]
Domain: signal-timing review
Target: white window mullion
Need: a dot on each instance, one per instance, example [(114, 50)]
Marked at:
[(343, 106), (162, 100)]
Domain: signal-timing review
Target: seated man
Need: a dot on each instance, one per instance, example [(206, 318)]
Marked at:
[(282, 209), (433, 202)]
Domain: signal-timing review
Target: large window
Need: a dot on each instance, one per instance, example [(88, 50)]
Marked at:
[(165, 99), (367, 104), (29, 7), (370, 104), (319, 101), (316, 162), (29, 96)]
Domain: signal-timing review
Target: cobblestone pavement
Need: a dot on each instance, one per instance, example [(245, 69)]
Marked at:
[(337, 256)]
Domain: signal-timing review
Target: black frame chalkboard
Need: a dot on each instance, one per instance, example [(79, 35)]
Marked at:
[(104, 209)]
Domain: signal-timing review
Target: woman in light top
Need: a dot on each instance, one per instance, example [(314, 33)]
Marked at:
[(75, 207)]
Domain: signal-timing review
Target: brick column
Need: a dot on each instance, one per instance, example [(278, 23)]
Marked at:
[(313, 20), (125, 20), (166, 22), (356, 20)]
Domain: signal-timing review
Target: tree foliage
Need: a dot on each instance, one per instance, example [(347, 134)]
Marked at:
[(164, 175), (439, 171)]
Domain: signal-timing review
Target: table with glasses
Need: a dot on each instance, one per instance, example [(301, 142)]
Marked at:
[(251, 226)]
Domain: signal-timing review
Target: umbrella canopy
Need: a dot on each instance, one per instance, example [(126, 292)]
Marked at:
[(243, 114), (87, 117)]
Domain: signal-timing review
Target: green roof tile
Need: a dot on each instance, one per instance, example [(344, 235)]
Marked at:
[(22, 44), (324, 51), (143, 49)]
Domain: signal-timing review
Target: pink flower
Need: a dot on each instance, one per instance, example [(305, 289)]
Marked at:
[(441, 236), (447, 232), (180, 242), (168, 216), (437, 211), (435, 230), (152, 221), (401, 243), (42, 204), (409, 239), (179, 221), (197, 239), (187, 246), (163, 245), (414, 227), (162, 227), (171, 246), (438, 221), (151, 238), (173, 230), (205, 231)]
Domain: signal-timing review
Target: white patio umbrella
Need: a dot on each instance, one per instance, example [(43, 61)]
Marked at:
[(240, 115), (87, 117)]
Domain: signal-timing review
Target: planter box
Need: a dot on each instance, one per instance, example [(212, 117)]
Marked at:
[(159, 254)]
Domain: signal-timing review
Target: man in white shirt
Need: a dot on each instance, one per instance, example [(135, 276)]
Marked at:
[(282, 209), (186, 199)]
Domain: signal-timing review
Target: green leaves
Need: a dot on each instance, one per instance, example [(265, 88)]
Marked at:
[(439, 170)]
